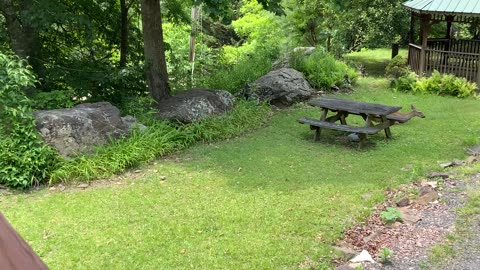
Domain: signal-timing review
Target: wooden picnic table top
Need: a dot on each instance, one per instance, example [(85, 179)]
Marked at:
[(352, 106)]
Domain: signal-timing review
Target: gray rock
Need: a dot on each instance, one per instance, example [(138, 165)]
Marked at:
[(403, 202), (195, 104), (284, 86), (353, 137), (474, 150), (132, 123), (80, 128)]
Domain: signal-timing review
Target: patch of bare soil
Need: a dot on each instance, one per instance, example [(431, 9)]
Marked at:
[(427, 219)]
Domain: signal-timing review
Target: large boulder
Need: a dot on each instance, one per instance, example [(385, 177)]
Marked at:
[(82, 127), (284, 86), (195, 104)]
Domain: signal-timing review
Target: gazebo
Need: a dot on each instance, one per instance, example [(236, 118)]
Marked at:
[(460, 57)]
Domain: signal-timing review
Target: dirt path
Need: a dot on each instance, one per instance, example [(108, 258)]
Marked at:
[(428, 225)]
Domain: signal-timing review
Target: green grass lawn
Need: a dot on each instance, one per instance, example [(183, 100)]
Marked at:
[(374, 61), (271, 199)]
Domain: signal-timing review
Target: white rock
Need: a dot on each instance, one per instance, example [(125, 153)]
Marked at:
[(364, 256)]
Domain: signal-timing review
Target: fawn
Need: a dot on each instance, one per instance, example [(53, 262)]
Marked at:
[(401, 118)]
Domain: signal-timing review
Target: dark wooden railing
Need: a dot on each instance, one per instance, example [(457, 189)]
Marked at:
[(414, 58), (458, 57), (456, 45), (460, 64)]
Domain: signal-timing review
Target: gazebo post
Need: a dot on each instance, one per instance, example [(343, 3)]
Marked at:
[(424, 30), (411, 33)]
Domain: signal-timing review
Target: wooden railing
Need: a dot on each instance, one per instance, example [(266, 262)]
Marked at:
[(414, 58), (460, 64), (456, 45)]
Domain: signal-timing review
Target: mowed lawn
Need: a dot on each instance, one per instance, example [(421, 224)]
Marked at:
[(270, 199)]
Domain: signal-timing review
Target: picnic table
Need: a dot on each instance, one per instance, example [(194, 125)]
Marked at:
[(342, 109)]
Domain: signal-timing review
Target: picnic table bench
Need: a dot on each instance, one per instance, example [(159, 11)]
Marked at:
[(343, 108)]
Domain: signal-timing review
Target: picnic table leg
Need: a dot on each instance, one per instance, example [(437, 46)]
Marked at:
[(316, 137), (363, 140), (342, 119), (388, 133), (318, 130)]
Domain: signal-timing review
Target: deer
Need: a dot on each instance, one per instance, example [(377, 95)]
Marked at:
[(400, 118)]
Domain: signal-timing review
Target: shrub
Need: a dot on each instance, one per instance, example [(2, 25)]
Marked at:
[(445, 85), (248, 68), (322, 70), (25, 159), (56, 99), (405, 83), (397, 67), (439, 84)]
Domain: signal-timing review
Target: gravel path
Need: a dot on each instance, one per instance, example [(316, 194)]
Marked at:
[(410, 242)]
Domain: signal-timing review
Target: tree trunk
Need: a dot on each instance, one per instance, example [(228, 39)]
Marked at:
[(24, 38), (154, 49), (123, 33)]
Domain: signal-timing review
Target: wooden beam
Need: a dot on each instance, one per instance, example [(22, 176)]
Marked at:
[(411, 33), (424, 30)]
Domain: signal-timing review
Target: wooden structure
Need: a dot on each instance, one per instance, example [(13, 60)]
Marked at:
[(342, 109), (447, 55), (15, 253)]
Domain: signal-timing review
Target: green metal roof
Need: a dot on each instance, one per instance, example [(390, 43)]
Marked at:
[(445, 7)]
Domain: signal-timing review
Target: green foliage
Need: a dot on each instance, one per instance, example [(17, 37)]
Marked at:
[(406, 83), (157, 140), (385, 255), (439, 84), (446, 85), (397, 67), (25, 160), (56, 99), (248, 68), (391, 215), (322, 70)]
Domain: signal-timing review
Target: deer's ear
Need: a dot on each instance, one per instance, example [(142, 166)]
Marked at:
[(413, 107)]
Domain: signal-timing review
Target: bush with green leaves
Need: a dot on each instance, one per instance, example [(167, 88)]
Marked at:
[(439, 84), (248, 68), (397, 67), (322, 70), (56, 99), (25, 159), (405, 83), (446, 85), (391, 215)]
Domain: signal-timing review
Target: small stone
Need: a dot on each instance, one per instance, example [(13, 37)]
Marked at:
[(163, 178), (364, 256), (409, 216), (353, 137), (474, 150), (446, 164), (52, 189), (424, 190), (433, 184), (82, 186), (61, 187), (137, 171), (427, 198), (346, 253), (443, 175), (403, 202)]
